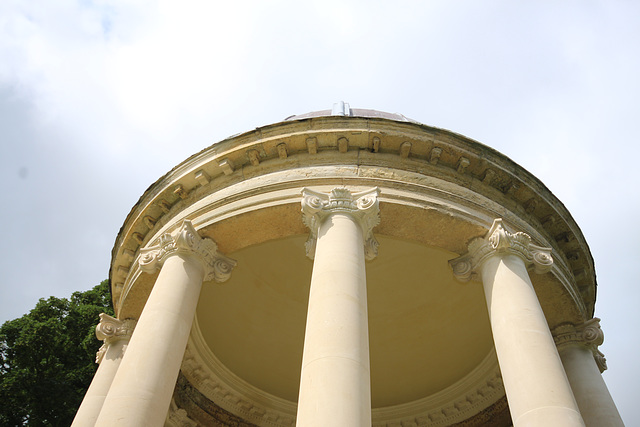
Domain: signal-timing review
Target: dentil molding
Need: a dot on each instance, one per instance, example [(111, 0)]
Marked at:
[(498, 241), (362, 206)]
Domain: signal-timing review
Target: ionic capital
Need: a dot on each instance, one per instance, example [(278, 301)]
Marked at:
[(362, 206), (111, 330), (589, 334), (186, 241), (499, 241)]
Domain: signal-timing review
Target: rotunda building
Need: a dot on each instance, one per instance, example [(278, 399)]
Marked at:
[(350, 268)]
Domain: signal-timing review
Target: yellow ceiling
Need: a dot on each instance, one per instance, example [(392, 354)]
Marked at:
[(426, 330)]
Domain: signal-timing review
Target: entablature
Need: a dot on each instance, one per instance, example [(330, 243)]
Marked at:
[(450, 173)]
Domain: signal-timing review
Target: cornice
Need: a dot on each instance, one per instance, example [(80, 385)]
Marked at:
[(359, 143), (410, 189)]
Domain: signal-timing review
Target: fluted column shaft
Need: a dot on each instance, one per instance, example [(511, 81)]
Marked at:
[(577, 347), (116, 335), (142, 388), (335, 385), (536, 385)]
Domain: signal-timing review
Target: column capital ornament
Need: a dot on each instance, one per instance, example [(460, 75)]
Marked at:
[(178, 417), (588, 334), (187, 241), (362, 206), (499, 241), (111, 330)]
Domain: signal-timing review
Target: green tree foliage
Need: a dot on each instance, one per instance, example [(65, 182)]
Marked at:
[(47, 358)]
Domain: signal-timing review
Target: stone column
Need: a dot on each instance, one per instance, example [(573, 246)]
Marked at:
[(536, 385), (335, 386), (142, 388), (115, 334), (583, 363)]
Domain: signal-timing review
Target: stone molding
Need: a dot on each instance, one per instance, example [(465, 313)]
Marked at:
[(111, 330), (283, 188), (178, 417), (589, 334), (478, 390), (187, 241), (499, 241), (228, 391), (362, 206), (373, 143)]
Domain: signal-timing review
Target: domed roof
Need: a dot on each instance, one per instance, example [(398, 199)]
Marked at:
[(343, 109)]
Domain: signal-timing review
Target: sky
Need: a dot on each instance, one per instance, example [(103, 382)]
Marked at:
[(98, 99)]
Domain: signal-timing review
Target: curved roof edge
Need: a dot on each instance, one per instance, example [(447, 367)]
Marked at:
[(343, 109)]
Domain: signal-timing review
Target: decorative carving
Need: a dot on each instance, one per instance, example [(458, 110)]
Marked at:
[(565, 237), (111, 330), (511, 188), (405, 149), (488, 176), (482, 387), (312, 145), (363, 206), (138, 237), (122, 270), (434, 157), (227, 166), (579, 274), (180, 192), (150, 222), (232, 399), (164, 206), (530, 205), (202, 177), (463, 164), (343, 145), (282, 150), (456, 410), (375, 144), (254, 157), (548, 221), (187, 241), (499, 241), (178, 417), (589, 334), (128, 254), (573, 255)]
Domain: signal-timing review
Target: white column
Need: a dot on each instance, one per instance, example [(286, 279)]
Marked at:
[(536, 385), (583, 363), (142, 388), (335, 386), (115, 334)]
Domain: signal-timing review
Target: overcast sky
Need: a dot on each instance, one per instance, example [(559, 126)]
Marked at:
[(98, 99)]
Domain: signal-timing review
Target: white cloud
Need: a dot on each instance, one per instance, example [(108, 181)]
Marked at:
[(98, 99)]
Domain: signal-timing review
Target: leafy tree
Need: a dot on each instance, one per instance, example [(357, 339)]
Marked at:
[(47, 358)]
